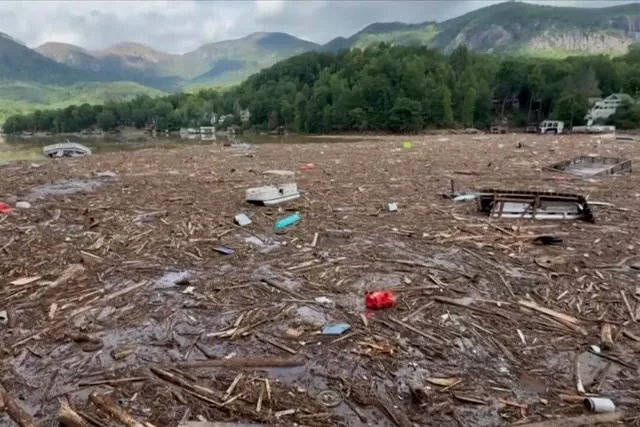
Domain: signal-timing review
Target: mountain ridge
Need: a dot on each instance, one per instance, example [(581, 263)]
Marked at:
[(511, 28), (508, 27), (130, 59)]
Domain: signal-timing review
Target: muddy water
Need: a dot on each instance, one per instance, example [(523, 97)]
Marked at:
[(30, 148)]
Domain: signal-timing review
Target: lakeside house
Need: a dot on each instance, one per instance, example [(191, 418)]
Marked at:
[(605, 108)]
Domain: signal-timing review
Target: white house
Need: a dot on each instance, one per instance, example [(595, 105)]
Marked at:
[(223, 117), (245, 115), (607, 107)]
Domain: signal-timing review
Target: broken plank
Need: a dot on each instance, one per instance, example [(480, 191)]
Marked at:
[(199, 391), (70, 418), (470, 399), (561, 316), (582, 420), (276, 344), (244, 362), (126, 290), (15, 412), (112, 381), (110, 407), (233, 385), (464, 304), (417, 331), (626, 303), (25, 280)]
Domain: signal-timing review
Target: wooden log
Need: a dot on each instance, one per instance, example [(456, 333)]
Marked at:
[(207, 394), (582, 420), (70, 418), (110, 407), (244, 362), (15, 412), (560, 316)]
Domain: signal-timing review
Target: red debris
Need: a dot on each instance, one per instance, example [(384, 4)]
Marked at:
[(378, 300), (5, 209)]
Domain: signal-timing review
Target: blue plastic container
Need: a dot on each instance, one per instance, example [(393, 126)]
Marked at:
[(288, 221)]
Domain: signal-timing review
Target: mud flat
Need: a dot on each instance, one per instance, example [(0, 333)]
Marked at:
[(117, 300)]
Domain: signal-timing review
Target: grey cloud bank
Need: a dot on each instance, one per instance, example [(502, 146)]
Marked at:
[(180, 26)]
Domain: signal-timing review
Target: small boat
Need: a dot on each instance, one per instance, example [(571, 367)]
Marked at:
[(66, 149)]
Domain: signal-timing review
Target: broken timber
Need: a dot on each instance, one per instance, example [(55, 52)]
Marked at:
[(582, 420), (242, 362)]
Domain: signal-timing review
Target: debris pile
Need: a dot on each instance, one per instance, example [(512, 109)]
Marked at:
[(165, 298)]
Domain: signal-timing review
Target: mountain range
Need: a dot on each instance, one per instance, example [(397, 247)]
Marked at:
[(506, 28)]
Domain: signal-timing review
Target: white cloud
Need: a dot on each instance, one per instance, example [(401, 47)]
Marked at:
[(269, 7), (179, 26)]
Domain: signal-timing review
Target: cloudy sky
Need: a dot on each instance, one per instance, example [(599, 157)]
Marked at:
[(180, 26)]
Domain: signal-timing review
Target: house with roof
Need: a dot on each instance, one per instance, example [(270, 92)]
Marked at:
[(606, 107)]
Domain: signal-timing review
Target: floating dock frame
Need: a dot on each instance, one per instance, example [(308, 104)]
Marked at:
[(592, 166), (534, 205)]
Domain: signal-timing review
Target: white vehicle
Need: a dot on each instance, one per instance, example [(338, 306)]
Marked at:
[(551, 126)]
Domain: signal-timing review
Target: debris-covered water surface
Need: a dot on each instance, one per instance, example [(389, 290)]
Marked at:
[(136, 297)]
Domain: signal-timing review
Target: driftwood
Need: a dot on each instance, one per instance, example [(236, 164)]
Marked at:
[(456, 279), (244, 362), (70, 418), (569, 321), (203, 393), (583, 420), (560, 316), (15, 412), (106, 405)]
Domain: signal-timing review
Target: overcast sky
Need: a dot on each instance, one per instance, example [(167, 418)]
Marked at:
[(180, 26)]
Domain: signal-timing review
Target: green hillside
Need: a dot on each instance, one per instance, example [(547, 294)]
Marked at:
[(19, 97), (57, 74), (386, 88)]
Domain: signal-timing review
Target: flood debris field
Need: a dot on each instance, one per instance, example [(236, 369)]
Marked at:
[(118, 309)]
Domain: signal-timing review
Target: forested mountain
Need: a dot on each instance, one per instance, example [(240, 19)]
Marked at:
[(513, 28), (517, 28), (383, 88), (111, 70), (18, 62), (230, 61), (510, 27)]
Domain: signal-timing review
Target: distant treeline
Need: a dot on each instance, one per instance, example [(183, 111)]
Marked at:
[(399, 89)]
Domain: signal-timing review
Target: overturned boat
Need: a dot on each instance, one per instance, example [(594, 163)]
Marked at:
[(66, 149)]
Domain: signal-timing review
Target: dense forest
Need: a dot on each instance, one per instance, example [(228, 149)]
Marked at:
[(383, 88)]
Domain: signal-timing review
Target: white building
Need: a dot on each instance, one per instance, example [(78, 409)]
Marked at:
[(607, 107), (245, 115), (223, 117)]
